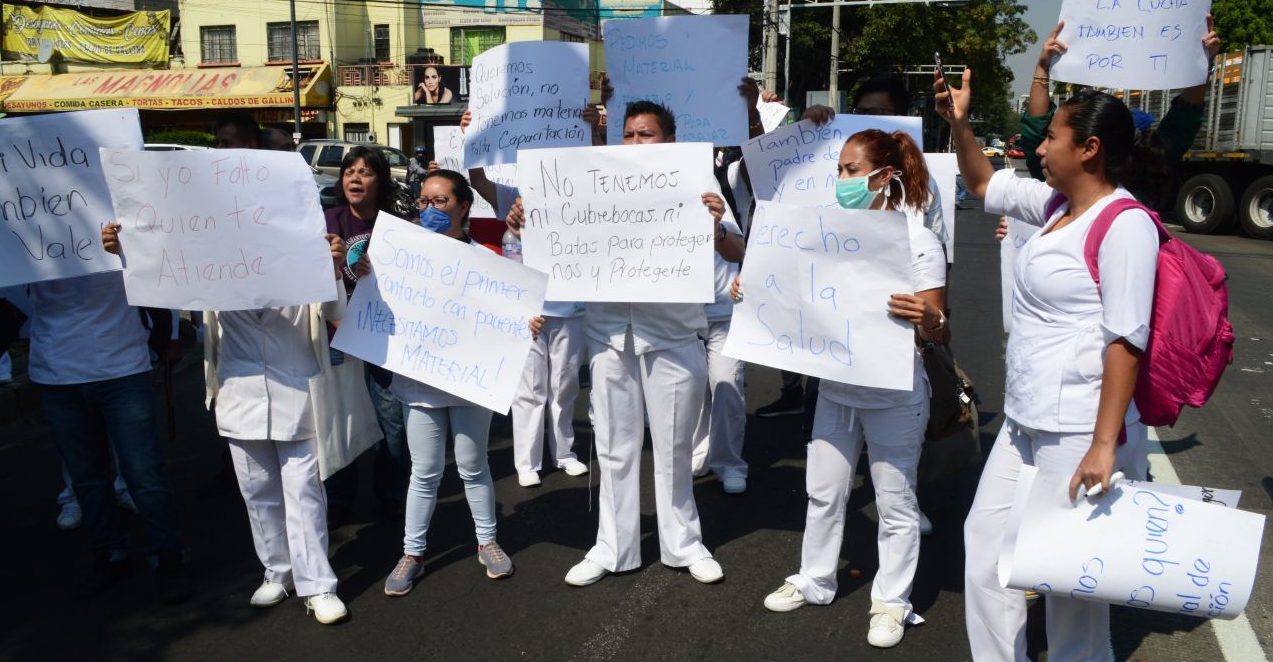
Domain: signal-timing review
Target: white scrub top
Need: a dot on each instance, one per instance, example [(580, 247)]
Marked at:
[(928, 272), (1061, 323), (505, 196), (264, 363), (83, 330)]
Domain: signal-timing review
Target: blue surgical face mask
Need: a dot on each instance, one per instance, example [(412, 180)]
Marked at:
[(855, 192), (432, 218)]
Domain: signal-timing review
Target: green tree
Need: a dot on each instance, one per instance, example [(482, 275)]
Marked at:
[(1243, 23)]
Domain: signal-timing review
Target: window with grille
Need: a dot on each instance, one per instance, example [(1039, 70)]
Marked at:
[(279, 36), (573, 38), (380, 35), (216, 44), (357, 132), (468, 43)]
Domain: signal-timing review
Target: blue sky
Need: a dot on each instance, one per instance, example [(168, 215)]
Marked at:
[(1041, 15)]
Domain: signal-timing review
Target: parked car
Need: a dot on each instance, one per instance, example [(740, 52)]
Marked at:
[(1015, 153), (991, 151), (169, 147), (326, 154)]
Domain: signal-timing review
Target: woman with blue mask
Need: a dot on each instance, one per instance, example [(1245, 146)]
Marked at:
[(882, 171), (432, 416)]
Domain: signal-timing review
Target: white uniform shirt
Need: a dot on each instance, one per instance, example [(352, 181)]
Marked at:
[(928, 272), (723, 308), (505, 196), (83, 330), (934, 219), (1061, 323), (264, 363)]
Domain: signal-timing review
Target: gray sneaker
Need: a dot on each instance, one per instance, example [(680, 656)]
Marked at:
[(400, 581), (497, 563)]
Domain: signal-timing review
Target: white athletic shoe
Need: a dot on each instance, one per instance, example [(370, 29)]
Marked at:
[(70, 516), (733, 484), (706, 571), (787, 598), (885, 632), (268, 594), (574, 468), (925, 525), (528, 478), (584, 573), (327, 608)]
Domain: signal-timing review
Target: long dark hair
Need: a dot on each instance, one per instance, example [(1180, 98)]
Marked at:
[(378, 165), (1133, 160), (459, 186), (899, 150)]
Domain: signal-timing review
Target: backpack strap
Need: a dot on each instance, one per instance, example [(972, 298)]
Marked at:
[(1101, 226), (1054, 203)]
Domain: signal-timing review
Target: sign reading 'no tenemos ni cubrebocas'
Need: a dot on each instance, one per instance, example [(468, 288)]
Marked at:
[(816, 287), (624, 223), (451, 315), (53, 198), (225, 229)]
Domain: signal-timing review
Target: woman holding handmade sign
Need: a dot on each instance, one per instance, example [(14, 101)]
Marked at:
[(258, 367), (433, 415), (877, 170), (1073, 355)]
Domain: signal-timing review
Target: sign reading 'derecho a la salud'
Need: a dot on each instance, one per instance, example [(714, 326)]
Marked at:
[(226, 229)]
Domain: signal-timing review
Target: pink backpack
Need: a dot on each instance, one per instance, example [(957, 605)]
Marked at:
[(1190, 339)]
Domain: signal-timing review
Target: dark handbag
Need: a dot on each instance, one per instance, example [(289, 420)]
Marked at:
[(951, 407)]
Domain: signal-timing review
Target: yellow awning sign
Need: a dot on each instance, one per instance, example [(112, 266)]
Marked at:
[(134, 38), (171, 89)]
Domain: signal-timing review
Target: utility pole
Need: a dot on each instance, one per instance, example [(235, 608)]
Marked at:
[(834, 86), (771, 45), (296, 82)]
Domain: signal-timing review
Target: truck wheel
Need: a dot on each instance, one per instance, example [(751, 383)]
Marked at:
[(1205, 204), (1256, 210)]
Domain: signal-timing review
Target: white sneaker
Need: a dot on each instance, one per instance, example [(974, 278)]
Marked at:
[(268, 594), (706, 571), (70, 517), (885, 632), (327, 608), (787, 598), (733, 484), (574, 468), (925, 525), (528, 478), (584, 573)]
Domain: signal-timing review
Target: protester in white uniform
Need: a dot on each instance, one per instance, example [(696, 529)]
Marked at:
[(1072, 357), (433, 415), (550, 381), (647, 357), (877, 170)]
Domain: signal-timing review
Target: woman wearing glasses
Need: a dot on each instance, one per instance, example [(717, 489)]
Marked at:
[(433, 415)]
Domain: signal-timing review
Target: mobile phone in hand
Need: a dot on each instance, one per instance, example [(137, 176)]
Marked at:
[(941, 76)]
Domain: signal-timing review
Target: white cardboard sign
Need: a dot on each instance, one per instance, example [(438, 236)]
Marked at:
[(1133, 44), (693, 65), (943, 168), (1019, 232), (53, 199), (624, 223), (524, 95), (772, 114), (1137, 546), (448, 151), (816, 285), (450, 315), (226, 229), (796, 164)]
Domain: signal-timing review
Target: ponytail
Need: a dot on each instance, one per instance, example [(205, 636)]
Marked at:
[(914, 172)]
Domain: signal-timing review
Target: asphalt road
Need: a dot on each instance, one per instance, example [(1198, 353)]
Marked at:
[(455, 612)]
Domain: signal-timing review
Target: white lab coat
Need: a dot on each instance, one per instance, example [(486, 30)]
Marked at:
[(1061, 326)]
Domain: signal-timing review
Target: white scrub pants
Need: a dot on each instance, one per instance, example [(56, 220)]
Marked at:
[(287, 509), (893, 438), (718, 439), (670, 383), (549, 386), (1077, 630)]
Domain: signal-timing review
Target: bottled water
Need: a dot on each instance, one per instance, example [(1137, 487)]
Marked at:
[(511, 246)]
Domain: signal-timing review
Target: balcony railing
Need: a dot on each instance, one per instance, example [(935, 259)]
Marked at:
[(384, 73)]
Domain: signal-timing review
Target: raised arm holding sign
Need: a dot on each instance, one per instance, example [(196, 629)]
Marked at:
[(526, 95), (1145, 45), (219, 230), (53, 198)]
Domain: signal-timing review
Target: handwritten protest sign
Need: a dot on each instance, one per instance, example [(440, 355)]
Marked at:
[(451, 315), (1137, 546), (53, 199), (817, 283), (796, 164), (1019, 232), (1133, 44), (219, 229), (772, 114), (942, 170), (690, 64), (623, 223), (448, 151), (527, 94)]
